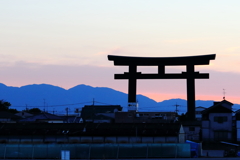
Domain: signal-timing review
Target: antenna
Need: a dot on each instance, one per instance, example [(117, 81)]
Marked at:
[(26, 107), (67, 109), (224, 93)]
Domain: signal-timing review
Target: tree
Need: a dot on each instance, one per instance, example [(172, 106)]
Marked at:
[(182, 117), (4, 106), (34, 111), (13, 111)]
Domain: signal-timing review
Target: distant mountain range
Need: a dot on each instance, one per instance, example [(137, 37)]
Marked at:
[(56, 99)]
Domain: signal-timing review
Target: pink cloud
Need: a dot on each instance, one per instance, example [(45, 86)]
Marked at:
[(181, 41), (112, 51), (69, 76)]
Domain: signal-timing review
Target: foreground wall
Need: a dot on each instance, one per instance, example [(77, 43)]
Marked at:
[(85, 139), (95, 151)]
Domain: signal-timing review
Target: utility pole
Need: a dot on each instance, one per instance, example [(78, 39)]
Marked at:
[(176, 105), (53, 110), (67, 110), (26, 107), (44, 103), (67, 113), (176, 110)]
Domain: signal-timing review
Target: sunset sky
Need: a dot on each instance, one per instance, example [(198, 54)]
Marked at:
[(66, 43)]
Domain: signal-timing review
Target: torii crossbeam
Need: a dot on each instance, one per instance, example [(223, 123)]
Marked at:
[(190, 75)]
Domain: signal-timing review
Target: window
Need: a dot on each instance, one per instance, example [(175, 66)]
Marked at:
[(220, 119)]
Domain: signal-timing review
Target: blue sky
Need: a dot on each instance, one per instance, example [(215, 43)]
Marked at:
[(66, 43)]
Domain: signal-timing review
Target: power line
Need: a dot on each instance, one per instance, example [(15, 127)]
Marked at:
[(55, 105), (61, 104), (70, 104)]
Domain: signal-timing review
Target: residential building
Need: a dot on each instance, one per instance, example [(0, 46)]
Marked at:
[(99, 113), (23, 114), (237, 125), (43, 118), (198, 112), (217, 122), (7, 117)]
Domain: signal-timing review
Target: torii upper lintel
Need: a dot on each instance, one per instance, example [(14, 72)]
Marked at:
[(190, 75), (165, 61)]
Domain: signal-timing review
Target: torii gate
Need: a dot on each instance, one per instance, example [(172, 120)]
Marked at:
[(190, 75)]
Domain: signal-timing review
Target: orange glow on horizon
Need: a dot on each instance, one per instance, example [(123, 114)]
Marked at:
[(161, 97)]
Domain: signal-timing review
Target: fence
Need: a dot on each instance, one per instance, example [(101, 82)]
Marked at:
[(94, 151)]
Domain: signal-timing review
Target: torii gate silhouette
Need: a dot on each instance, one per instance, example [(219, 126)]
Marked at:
[(190, 75)]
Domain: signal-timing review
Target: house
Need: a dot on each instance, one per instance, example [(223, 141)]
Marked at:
[(43, 118), (99, 113), (198, 112), (7, 117), (23, 114), (217, 122), (144, 117), (237, 125), (71, 118)]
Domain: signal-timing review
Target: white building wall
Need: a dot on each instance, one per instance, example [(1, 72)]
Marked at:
[(238, 130)]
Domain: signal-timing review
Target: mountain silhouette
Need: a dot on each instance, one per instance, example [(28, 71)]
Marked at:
[(53, 98)]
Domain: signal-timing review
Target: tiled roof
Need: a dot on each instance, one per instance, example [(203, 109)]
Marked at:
[(24, 114), (42, 116), (218, 107)]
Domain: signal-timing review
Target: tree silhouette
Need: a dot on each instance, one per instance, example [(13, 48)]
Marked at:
[(4, 106), (182, 117), (34, 111)]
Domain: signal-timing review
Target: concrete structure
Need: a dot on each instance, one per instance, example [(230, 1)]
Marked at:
[(145, 117), (91, 133), (192, 130)]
